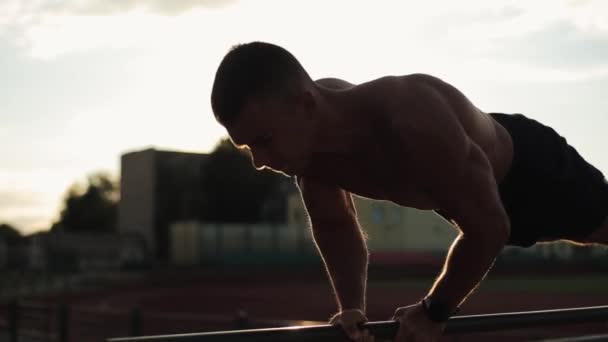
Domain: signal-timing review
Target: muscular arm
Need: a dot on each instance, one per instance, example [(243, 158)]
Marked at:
[(458, 177), (339, 240), (472, 200)]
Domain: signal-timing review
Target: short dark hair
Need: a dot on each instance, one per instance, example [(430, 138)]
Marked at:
[(255, 69)]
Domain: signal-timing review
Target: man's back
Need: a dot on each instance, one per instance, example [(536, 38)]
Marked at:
[(401, 123), (493, 139)]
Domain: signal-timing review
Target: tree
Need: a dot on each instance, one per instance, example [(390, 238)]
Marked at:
[(92, 207), (9, 233), (232, 190)]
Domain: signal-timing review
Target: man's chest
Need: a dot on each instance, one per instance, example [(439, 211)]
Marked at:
[(379, 169)]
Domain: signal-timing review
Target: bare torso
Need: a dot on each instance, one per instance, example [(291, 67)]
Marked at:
[(381, 163)]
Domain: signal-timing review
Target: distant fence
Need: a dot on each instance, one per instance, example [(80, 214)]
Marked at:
[(29, 320), (387, 330)]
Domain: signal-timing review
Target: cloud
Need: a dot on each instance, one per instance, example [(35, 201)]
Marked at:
[(19, 9), (561, 45), (27, 210), (24, 210), (51, 28), (557, 40), (48, 28), (13, 199), (590, 16), (499, 19)]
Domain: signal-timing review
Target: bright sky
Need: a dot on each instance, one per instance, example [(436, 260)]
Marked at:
[(83, 81)]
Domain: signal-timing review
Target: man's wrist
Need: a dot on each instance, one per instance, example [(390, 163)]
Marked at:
[(437, 311), (360, 314)]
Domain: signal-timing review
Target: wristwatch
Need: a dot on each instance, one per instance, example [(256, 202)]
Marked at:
[(437, 311)]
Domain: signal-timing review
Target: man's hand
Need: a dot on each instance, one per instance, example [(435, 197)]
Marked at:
[(349, 321), (416, 326)]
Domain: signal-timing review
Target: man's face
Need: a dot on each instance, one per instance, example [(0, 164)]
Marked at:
[(278, 134)]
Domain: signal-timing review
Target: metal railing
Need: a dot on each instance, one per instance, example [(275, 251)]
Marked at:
[(25, 320), (587, 338), (387, 329)]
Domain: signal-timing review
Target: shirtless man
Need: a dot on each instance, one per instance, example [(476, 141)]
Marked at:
[(416, 141)]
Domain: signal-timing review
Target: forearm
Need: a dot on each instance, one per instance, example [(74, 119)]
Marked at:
[(467, 263), (345, 255)]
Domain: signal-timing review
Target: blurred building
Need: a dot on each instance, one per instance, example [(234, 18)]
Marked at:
[(159, 188), (396, 235), (195, 243)]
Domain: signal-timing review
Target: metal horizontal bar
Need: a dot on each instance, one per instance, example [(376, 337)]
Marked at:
[(580, 339), (387, 329)]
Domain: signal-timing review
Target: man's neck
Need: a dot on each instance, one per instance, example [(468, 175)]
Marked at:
[(341, 112)]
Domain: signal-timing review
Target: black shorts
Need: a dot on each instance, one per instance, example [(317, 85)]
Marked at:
[(550, 190)]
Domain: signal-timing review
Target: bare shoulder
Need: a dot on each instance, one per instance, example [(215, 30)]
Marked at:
[(458, 110), (427, 102), (418, 80), (431, 87), (334, 83), (411, 90), (422, 103), (411, 81), (429, 127), (325, 202)]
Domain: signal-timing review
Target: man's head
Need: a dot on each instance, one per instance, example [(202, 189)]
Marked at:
[(265, 99)]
